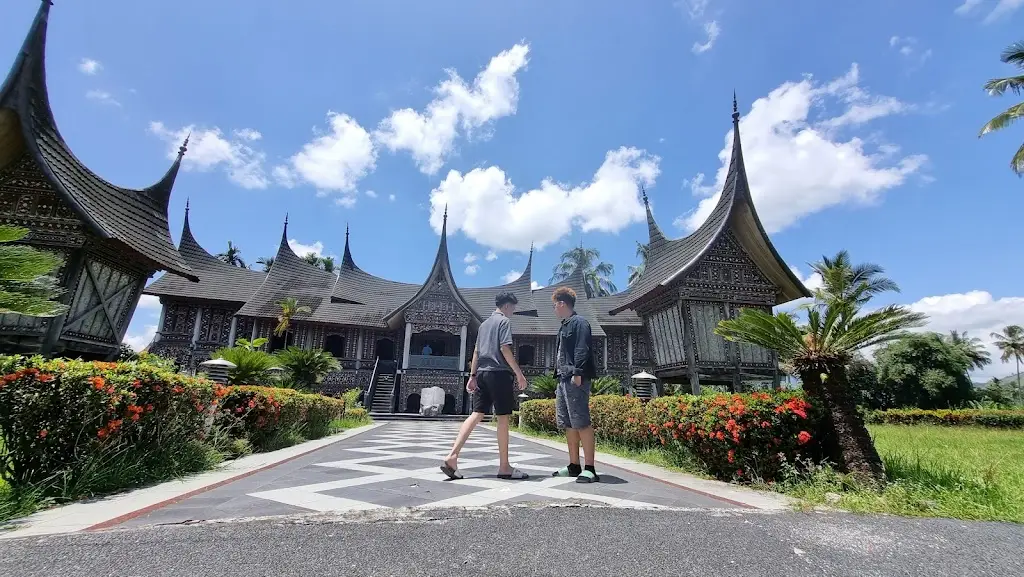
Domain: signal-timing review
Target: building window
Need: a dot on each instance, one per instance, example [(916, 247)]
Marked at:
[(525, 355), (335, 344)]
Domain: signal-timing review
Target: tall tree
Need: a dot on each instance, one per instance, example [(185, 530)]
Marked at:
[(327, 263), (1013, 54), (27, 285), (233, 256), (841, 279), (972, 347), (925, 371), (1010, 343), (636, 271), (266, 261), (289, 308), (596, 274), (820, 351)]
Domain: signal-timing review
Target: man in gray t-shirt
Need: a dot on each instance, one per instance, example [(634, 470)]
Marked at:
[(490, 381)]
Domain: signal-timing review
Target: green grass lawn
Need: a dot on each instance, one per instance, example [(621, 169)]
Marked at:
[(959, 472)]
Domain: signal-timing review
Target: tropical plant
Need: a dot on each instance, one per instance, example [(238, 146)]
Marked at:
[(250, 345), (266, 261), (27, 284), (596, 274), (606, 385), (842, 281), (972, 347), (1013, 54), (924, 371), (252, 367), (821, 349), (306, 368), (233, 256), (635, 271), (544, 386), (327, 263), (289, 308), (1010, 343)]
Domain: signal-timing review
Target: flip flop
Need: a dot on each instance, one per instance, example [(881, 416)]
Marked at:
[(515, 475), (452, 474), (587, 477), (563, 472)]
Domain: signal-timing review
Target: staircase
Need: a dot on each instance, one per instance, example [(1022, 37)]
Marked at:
[(382, 386)]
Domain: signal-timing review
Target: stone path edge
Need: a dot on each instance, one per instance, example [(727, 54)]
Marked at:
[(112, 511), (733, 494)]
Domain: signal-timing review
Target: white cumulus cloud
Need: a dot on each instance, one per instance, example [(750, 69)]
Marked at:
[(103, 97), (488, 208), (1002, 9), (148, 303), (302, 250), (429, 136), (141, 339), (712, 30), (89, 67), (799, 164), (491, 256), (470, 258), (211, 148), (511, 276), (472, 269)]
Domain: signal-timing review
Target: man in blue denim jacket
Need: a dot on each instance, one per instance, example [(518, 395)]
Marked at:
[(575, 369)]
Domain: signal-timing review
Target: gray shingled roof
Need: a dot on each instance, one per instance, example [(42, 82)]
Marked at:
[(217, 279), (136, 218)]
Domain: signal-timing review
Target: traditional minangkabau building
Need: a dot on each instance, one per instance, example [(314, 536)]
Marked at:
[(391, 338), (112, 239)]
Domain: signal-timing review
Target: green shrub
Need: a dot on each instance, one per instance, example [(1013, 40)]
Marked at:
[(271, 418), (306, 367), (251, 365), (351, 397), (991, 418), (543, 386), (539, 415), (619, 419), (357, 414), (606, 385)]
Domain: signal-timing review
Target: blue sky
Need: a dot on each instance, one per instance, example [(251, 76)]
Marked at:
[(860, 129)]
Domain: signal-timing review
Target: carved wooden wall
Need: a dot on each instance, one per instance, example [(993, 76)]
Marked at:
[(28, 200), (726, 273), (618, 350), (437, 310), (104, 299), (667, 336)]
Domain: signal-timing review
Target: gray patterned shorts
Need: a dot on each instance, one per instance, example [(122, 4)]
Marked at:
[(572, 404)]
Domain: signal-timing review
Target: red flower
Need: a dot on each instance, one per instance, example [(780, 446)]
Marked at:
[(43, 433), (102, 433), (803, 438), (732, 455), (45, 378), (98, 383)]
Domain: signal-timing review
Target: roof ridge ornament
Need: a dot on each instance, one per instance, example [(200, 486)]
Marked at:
[(735, 108), (184, 146)]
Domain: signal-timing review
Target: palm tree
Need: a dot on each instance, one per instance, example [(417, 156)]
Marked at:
[(27, 285), (233, 256), (636, 271), (596, 274), (266, 261), (1010, 343), (327, 263), (289, 308), (820, 352), (970, 347), (306, 368), (1013, 54), (840, 279)]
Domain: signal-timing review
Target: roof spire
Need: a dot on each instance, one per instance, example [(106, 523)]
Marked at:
[(654, 234), (186, 206), (346, 258), (183, 147), (643, 193), (735, 109)]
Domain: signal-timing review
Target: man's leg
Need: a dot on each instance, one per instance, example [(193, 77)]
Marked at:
[(503, 395), (452, 460), (572, 440), (587, 438), (572, 437), (504, 468), (578, 403)]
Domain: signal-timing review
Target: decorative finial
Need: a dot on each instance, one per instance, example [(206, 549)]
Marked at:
[(643, 192), (286, 219), (186, 206), (346, 232), (184, 146), (735, 108), (446, 211)]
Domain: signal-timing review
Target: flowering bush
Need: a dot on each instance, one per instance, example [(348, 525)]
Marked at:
[(264, 414), (996, 419), (57, 415), (743, 437)]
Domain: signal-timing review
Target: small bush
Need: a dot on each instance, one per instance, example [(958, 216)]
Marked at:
[(991, 418), (271, 418), (619, 419), (351, 397), (539, 415), (357, 414)]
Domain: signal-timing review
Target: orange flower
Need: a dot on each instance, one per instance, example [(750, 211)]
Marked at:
[(732, 455), (98, 383), (102, 433), (43, 433), (45, 378), (803, 438)]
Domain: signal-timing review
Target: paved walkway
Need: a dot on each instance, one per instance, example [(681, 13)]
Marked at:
[(396, 465)]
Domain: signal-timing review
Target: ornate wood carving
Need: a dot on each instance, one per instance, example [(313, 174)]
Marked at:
[(215, 326), (642, 349), (179, 318), (104, 299), (337, 382), (726, 273), (27, 199), (667, 336), (710, 349), (437, 310), (618, 351)]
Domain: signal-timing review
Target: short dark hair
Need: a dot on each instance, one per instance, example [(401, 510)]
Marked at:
[(565, 295), (505, 298)]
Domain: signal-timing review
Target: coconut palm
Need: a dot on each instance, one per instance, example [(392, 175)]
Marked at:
[(636, 271), (971, 347), (1013, 54), (327, 263), (266, 261), (596, 274), (233, 256), (820, 351), (841, 278), (289, 308), (27, 284), (1010, 343)]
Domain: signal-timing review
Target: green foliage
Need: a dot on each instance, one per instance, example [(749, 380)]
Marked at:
[(606, 385), (999, 394), (351, 397), (251, 345), (925, 371), (289, 307), (306, 368), (1013, 54), (971, 347), (1010, 343), (596, 274), (642, 251), (266, 261), (862, 377), (251, 366), (991, 418), (27, 285), (271, 418), (543, 386), (127, 353), (233, 256)]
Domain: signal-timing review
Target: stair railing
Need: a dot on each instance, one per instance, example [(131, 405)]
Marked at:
[(372, 389)]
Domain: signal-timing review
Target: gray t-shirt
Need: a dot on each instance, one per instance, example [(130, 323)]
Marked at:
[(494, 332)]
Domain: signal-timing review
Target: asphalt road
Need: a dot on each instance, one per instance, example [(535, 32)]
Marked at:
[(533, 539)]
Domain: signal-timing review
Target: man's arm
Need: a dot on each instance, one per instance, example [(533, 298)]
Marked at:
[(471, 383), (582, 351), (505, 336)]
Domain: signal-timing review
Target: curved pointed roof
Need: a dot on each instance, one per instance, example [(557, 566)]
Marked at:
[(346, 257), (735, 210), (441, 271), (218, 280), (136, 218)]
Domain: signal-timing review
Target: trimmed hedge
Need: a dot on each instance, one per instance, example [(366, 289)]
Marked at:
[(736, 437), (73, 427), (991, 418)]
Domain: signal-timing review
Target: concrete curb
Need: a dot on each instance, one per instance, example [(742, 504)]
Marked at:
[(734, 494), (111, 511)]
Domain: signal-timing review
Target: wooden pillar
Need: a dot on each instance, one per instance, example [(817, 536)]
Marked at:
[(776, 380), (359, 347), (75, 265), (605, 343), (254, 323), (629, 350), (463, 332), (198, 325), (231, 332), (160, 323), (408, 343), (691, 355)]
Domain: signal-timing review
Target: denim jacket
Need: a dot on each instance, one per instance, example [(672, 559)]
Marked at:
[(575, 349)]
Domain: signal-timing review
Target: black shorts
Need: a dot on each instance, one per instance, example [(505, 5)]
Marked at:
[(494, 388)]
